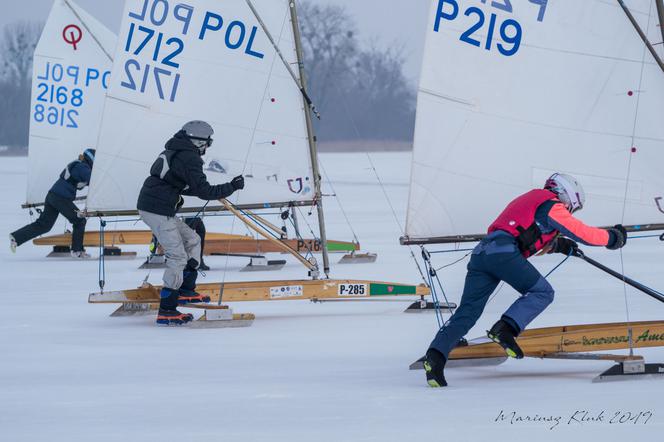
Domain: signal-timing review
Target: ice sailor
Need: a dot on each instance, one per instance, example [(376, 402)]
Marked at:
[(538, 221), (60, 201), (178, 171)]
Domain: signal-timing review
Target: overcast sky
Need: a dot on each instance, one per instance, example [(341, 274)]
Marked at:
[(387, 21)]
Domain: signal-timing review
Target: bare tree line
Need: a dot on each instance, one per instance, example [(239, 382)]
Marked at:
[(17, 46), (362, 93)]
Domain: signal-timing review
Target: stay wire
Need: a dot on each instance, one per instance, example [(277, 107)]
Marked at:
[(298, 235), (307, 223), (101, 272), (660, 236), (382, 186), (338, 198), (432, 278), (455, 262), (434, 297), (253, 136), (633, 148), (439, 317), (280, 55)]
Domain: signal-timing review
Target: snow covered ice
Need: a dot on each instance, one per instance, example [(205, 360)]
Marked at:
[(303, 371)]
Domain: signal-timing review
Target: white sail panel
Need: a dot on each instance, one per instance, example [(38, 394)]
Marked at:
[(211, 61), (506, 99), (71, 69)]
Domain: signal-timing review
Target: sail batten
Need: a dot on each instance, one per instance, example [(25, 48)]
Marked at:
[(508, 97)]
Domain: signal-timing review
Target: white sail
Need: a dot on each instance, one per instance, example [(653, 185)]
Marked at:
[(512, 91), (71, 71), (206, 60)]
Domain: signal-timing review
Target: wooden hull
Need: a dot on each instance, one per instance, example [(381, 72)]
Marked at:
[(215, 243), (250, 246), (120, 237), (273, 291), (544, 342)]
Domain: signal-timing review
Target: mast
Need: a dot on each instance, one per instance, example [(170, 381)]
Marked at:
[(312, 139), (660, 13), (642, 34)]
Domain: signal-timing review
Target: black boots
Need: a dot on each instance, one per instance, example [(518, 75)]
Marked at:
[(168, 313), (434, 366), (173, 317), (505, 335), (188, 294)]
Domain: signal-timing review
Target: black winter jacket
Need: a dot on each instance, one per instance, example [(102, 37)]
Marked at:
[(178, 171)]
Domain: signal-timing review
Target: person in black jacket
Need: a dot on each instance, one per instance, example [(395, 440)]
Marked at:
[(178, 171), (60, 201)]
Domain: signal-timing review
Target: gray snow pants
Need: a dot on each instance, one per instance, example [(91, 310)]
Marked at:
[(180, 244)]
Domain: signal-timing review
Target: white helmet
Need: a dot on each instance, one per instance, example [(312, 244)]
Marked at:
[(568, 189)]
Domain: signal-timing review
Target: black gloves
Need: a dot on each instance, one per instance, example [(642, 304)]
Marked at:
[(618, 237), (238, 183), (565, 246)]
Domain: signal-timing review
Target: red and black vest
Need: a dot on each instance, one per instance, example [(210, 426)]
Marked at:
[(518, 219)]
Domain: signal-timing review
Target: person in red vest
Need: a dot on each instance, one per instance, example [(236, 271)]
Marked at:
[(538, 221)]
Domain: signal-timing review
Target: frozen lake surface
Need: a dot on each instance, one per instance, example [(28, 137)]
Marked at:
[(303, 371)]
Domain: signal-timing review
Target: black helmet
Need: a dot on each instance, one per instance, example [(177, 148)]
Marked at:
[(200, 133), (89, 155)]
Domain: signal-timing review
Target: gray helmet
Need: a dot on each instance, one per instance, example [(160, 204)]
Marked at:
[(200, 133)]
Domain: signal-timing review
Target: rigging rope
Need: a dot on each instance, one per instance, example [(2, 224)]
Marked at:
[(433, 274), (455, 262), (382, 186), (633, 151), (101, 272), (310, 252), (258, 116), (290, 70), (338, 198)]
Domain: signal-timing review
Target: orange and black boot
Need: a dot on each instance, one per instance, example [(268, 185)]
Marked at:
[(173, 317), (168, 313)]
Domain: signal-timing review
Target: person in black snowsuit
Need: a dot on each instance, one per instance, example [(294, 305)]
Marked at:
[(197, 224), (60, 201), (178, 171)]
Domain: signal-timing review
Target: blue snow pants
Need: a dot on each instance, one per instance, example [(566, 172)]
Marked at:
[(497, 258)]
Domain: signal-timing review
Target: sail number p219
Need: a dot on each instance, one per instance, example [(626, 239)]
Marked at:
[(484, 30)]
